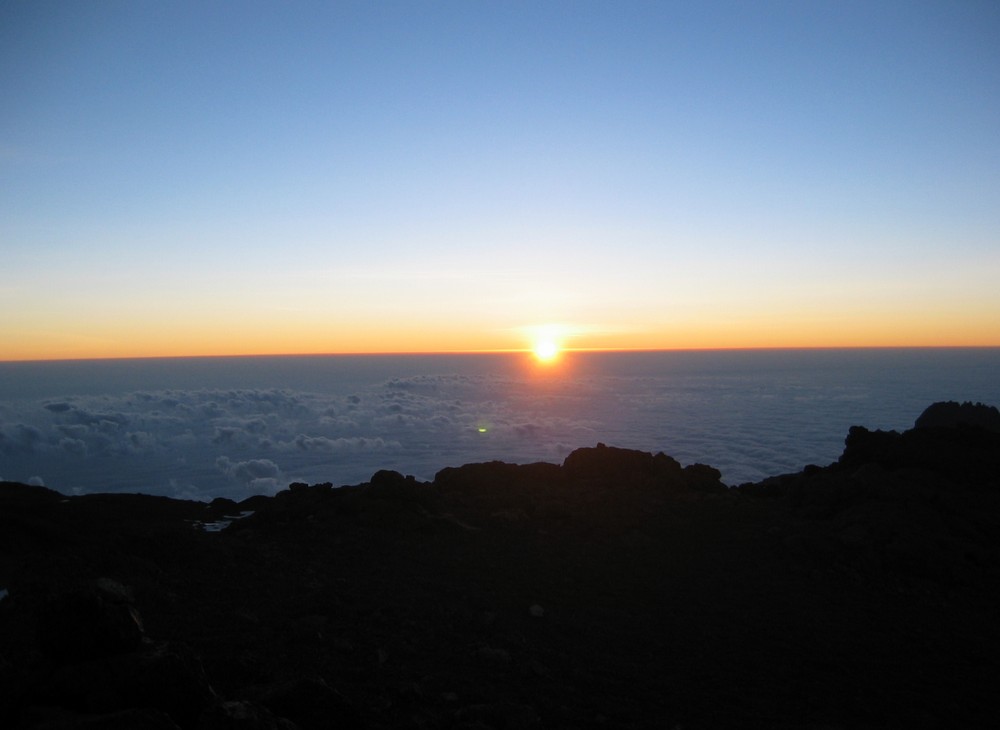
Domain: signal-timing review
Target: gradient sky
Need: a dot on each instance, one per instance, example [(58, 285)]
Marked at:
[(239, 177)]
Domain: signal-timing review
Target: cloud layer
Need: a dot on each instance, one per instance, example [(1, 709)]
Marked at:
[(237, 442), (749, 418)]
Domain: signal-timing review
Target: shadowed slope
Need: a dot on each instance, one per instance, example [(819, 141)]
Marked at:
[(615, 590)]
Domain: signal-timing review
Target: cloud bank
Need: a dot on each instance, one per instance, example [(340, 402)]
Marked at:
[(750, 416), (206, 443)]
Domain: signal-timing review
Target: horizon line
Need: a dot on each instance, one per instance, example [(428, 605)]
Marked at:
[(497, 351)]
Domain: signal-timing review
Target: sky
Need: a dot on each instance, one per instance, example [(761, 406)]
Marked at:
[(215, 178)]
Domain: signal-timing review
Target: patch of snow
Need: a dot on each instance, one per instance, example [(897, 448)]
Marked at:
[(226, 521), (218, 526)]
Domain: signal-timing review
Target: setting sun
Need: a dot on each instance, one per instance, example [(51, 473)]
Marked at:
[(546, 350)]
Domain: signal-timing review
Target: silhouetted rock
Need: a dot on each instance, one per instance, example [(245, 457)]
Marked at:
[(392, 485), (863, 446), (704, 478), (949, 414), (612, 465), (966, 454), (223, 506), (496, 477)]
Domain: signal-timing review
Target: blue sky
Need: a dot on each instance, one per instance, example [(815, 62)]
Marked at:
[(209, 178)]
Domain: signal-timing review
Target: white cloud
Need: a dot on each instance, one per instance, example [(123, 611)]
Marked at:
[(265, 485), (248, 471), (213, 442), (338, 445)]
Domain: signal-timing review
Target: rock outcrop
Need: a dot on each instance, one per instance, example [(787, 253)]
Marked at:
[(949, 414)]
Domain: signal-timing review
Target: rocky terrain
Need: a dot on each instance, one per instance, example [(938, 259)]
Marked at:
[(616, 590)]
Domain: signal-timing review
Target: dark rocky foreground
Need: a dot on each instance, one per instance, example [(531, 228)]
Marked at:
[(616, 590)]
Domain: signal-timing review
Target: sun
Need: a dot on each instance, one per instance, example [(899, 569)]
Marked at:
[(546, 350), (547, 342)]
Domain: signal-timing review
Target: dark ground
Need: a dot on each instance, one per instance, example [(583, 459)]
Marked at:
[(616, 590)]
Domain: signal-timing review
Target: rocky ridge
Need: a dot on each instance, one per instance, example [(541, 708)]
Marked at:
[(618, 589)]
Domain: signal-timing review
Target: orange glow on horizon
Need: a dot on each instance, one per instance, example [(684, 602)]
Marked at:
[(134, 337)]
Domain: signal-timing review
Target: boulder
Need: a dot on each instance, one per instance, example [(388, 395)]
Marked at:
[(704, 478), (613, 465), (496, 476), (388, 484)]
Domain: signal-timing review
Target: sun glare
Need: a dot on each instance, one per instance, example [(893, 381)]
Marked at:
[(546, 350), (547, 342)]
